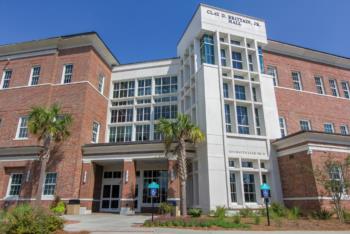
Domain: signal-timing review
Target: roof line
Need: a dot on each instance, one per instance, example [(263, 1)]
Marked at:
[(307, 48), (312, 131), (149, 61)]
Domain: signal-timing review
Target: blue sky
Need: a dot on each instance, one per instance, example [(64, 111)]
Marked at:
[(149, 29)]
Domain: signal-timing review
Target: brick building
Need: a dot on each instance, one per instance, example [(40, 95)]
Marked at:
[(277, 106)]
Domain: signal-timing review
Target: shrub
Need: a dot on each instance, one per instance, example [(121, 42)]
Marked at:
[(277, 210), (345, 213), (195, 212), (322, 214), (293, 213), (25, 219), (59, 209), (220, 212), (257, 219), (237, 219), (246, 213), (165, 208), (278, 221)]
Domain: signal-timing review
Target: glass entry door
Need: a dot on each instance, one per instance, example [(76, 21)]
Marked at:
[(110, 194)]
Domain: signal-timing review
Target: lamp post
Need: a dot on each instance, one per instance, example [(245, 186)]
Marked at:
[(153, 192), (266, 194)]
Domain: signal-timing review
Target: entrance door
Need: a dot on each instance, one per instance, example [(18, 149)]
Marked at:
[(110, 197)]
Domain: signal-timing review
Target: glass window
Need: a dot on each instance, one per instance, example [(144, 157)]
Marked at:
[(319, 85), (35, 75), (296, 80), (124, 89), (261, 59), (165, 99), (95, 132), (50, 183), (334, 87), (237, 60), (6, 77), (121, 115), (225, 86), (15, 184), (233, 187), (142, 132), (231, 163), (67, 73), (143, 101), (143, 113), (328, 128), (305, 125), (223, 57), (250, 60), (101, 83), (335, 173), (283, 127), (242, 119), (257, 121), (228, 118), (247, 164), (120, 134), (161, 178), (249, 187), (240, 92), (272, 71), (144, 87), (255, 97), (164, 85), (166, 112), (344, 130), (22, 130), (345, 86), (207, 49), (156, 134)]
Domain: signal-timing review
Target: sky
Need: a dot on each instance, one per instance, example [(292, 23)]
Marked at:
[(139, 30)]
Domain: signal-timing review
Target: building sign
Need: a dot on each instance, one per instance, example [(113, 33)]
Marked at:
[(234, 19), (246, 153)]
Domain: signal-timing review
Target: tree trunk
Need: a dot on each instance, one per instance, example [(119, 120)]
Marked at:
[(182, 175)]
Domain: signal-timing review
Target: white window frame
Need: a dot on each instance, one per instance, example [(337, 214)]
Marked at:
[(308, 124), (324, 127), (3, 78), (31, 75), (346, 129), (321, 85), (334, 88), (274, 74), (95, 132), (101, 83), (143, 132), (141, 113), (297, 81), (49, 196), (284, 128), (64, 73), (346, 89), (20, 120), (10, 184)]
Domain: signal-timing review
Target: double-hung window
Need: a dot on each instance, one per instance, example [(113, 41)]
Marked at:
[(228, 118), (35, 75), (283, 127), (346, 90), (272, 71), (249, 187), (164, 85), (334, 87), (6, 77), (124, 89), (296, 80), (142, 132), (223, 57), (22, 129), (120, 134), (101, 83), (344, 129), (50, 184), (121, 115), (240, 92), (237, 60), (144, 87), (305, 125), (15, 184), (319, 85), (328, 128), (95, 132), (242, 119), (67, 74), (233, 186), (143, 113)]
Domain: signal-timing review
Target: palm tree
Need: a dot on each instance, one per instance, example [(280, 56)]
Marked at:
[(50, 126), (178, 132)]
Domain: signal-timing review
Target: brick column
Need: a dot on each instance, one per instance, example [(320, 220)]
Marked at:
[(173, 185), (128, 187), (90, 186)]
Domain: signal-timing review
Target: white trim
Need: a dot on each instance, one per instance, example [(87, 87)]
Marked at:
[(3, 78), (97, 132), (173, 199), (18, 128), (310, 147), (64, 73), (17, 199), (89, 199), (309, 92), (29, 53), (18, 158), (347, 198), (13, 197), (31, 74)]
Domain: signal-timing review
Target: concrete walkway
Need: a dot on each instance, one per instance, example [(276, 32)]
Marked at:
[(114, 223)]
